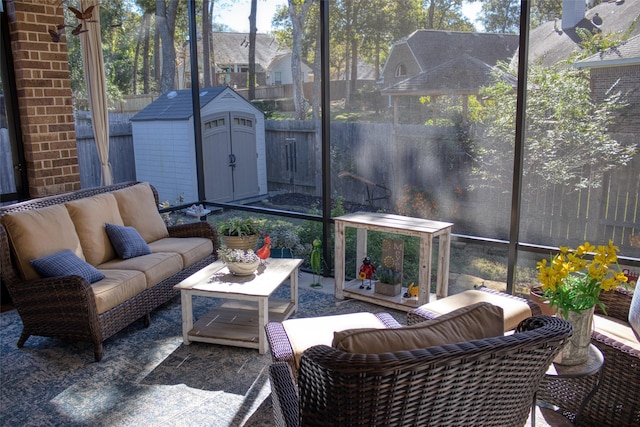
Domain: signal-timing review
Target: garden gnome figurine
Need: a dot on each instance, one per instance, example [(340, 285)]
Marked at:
[(367, 270)]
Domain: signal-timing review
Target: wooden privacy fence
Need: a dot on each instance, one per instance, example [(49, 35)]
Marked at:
[(429, 169), (121, 154), (426, 170)]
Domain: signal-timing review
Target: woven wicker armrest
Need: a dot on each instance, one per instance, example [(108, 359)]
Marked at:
[(420, 314), (64, 306), (284, 395), (195, 229), (388, 320), (281, 350), (53, 291)]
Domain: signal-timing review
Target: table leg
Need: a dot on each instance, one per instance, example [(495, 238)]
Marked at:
[(293, 279), (444, 248), (339, 259), (187, 315), (263, 319), (361, 248), (424, 271), (589, 395)]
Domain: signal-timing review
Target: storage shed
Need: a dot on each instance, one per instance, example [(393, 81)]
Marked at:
[(233, 146)]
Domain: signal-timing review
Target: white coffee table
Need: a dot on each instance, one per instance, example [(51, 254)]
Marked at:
[(240, 320)]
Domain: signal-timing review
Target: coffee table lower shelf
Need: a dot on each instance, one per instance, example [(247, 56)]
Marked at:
[(237, 322)]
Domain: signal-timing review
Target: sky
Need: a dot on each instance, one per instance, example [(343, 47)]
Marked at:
[(237, 16)]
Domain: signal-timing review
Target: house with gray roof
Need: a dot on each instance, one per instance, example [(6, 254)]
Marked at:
[(436, 63), (426, 49)]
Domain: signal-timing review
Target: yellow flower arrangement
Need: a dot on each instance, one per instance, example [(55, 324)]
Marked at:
[(572, 282)]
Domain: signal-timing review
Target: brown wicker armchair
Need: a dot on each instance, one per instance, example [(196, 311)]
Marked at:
[(489, 382), (617, 399)]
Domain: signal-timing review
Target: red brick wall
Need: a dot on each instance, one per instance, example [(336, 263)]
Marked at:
[(44, 97)]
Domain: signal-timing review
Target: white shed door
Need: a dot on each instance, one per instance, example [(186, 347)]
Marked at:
[(230, 157)]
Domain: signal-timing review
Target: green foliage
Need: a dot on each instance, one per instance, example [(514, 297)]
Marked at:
[(499, 16), (238, 226), (387, 275), (592, 43), (567, 138), (284, 235)]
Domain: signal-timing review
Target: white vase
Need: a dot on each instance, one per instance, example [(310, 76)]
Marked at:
[(242, 268), (576, 350)]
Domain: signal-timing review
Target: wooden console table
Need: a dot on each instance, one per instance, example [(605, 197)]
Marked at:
[(424, 229)]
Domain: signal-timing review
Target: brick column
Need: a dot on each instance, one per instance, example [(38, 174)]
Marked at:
[(44, 97)]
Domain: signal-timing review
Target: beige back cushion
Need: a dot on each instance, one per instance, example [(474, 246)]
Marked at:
[(477, 321), (89, 216), (514, 311), (40, 232), (138, 210)]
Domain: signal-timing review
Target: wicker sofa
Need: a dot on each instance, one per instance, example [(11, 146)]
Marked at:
[(617, 399), (69, 306)]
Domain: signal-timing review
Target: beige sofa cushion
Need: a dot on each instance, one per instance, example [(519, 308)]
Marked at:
[(616, 329), (514, 311), (191, 249), (156, 267), (117, 287), (477, 321), (89, 215), (26, 230), (307, 332), (138, 210)]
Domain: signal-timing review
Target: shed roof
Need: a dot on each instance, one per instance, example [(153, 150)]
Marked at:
[(176, 104), (462, 75)]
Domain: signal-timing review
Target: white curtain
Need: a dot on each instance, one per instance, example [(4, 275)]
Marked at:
[(96, 84)]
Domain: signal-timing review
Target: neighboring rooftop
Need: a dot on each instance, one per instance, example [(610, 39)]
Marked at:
[(233, 48), (628, 53), (461, 75), (551, 44), (433, 47)]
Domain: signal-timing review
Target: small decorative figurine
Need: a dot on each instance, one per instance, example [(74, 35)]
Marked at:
[(315, 262), (265, 251), (367, 270), (412, 291)]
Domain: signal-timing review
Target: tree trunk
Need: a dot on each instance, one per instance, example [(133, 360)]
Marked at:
[(252, 50), (146, 65), (206, 48), (298, 14), (165, 26)]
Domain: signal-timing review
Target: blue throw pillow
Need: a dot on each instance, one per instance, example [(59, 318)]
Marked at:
[(66, 263), (127, 242)]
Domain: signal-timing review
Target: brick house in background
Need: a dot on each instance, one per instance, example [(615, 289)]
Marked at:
[(618, 68)]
